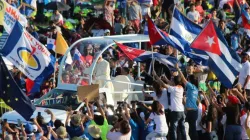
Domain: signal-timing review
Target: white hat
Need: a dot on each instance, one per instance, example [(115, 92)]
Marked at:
[(97, 113), (94, 131), (35, 128), (248, 53), (107, 31)]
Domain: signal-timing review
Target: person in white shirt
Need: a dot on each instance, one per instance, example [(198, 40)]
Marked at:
[(124, 132), (102, 73), (159, 94), (245, 124), (145, 7), (193, 15), (57, 18), (244, 75), (158, 116), (126, 72), (177, 108)]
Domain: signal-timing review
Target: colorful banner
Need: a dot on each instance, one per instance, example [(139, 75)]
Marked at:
[(28, 54), (9, 15)]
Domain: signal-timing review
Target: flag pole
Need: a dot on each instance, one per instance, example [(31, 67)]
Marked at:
[(152, 49), (54, 78)]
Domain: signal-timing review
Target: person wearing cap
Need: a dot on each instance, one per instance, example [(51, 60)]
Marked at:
[(95, 132), (232, 111), (59, 134), (244, 75), (98, 118), (107, 32), (75, 129)]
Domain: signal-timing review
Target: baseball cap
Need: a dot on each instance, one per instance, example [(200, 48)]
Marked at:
[(107, 31)]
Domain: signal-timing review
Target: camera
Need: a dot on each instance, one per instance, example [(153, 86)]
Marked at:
[(134, 102), (120, 102), (39, 114)]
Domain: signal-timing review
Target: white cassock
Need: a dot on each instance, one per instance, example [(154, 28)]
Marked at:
[(102, 73)]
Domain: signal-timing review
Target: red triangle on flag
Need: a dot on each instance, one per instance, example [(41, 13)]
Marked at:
[(245, 22), (131, 53), (207, 40), (153, 32)]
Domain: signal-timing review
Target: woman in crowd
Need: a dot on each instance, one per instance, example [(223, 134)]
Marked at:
[(158, 115)]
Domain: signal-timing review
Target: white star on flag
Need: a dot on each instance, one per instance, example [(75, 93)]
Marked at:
[(129, 50), (210, 41)]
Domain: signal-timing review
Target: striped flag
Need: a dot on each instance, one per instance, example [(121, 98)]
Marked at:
[(223, 61), (3, 39)]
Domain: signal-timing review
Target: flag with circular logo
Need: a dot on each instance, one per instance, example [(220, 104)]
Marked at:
[(28, 55)]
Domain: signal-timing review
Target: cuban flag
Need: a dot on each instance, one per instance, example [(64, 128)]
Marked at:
[(51, 44), (245, 21), (142, 55), (159, 37), (223, 61), (30, 56), (78, 56)]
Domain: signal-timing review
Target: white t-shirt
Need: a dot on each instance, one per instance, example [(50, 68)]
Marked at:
[(244, 135), (163, 99), (193, 16), (146, 10), (118, 136), (176, 95), (99, 32), (58, 18), (160, 121), (198, 126), (244, 72)]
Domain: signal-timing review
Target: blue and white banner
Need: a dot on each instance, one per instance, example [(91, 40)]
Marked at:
[(9, 15), (28, 54)]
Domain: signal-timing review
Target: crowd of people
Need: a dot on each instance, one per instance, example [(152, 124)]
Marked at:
[(189, 102)]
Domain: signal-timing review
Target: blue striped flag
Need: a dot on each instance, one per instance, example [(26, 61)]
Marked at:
[(223, 61)]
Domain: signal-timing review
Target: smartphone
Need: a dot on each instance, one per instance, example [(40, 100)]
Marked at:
[(120, 102), (19, 123), (5, 120)]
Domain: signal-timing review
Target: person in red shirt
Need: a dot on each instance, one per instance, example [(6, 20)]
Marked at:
[(199, 9)]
